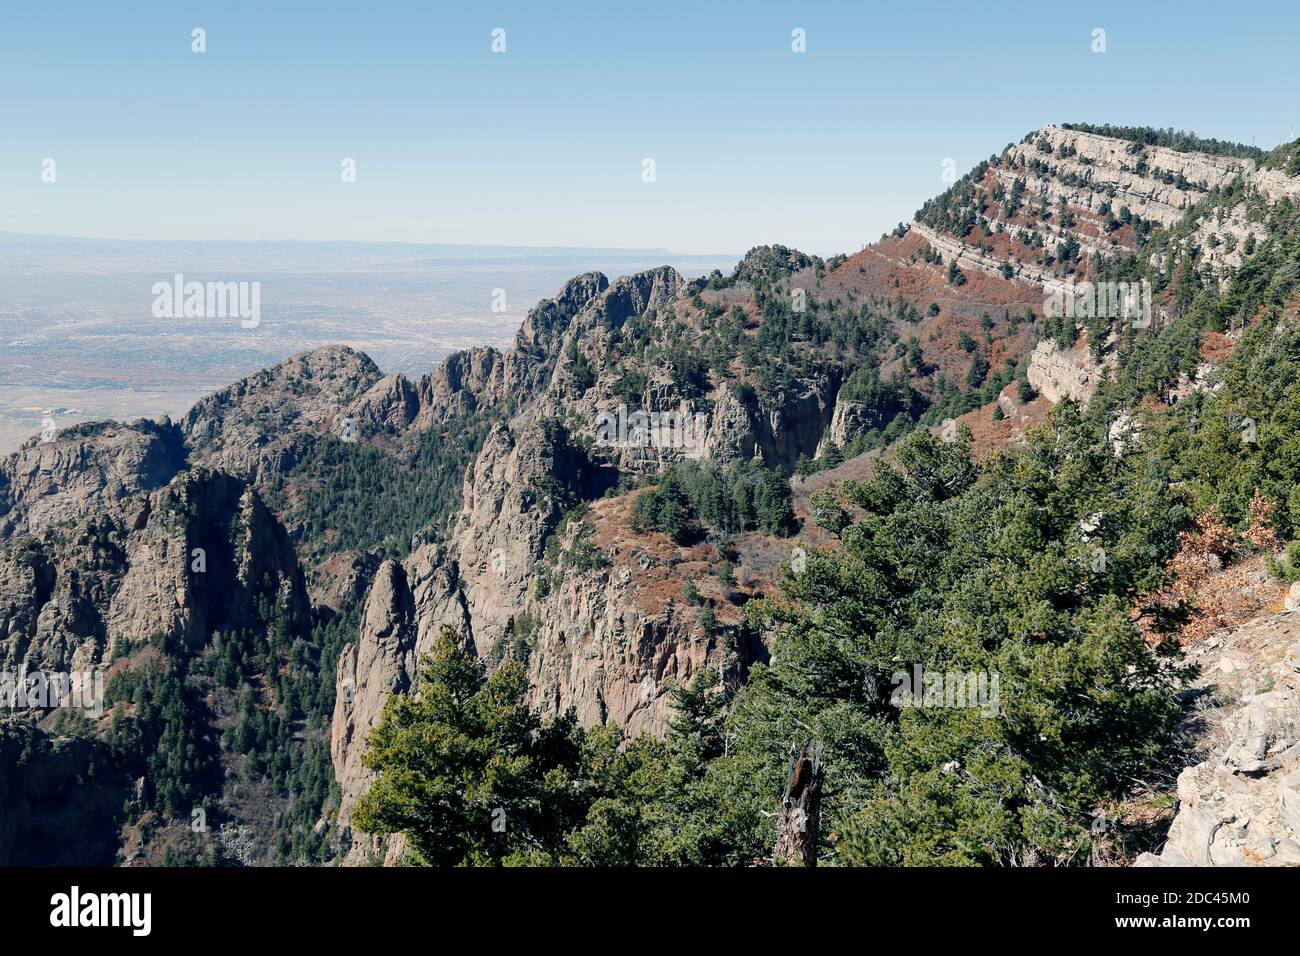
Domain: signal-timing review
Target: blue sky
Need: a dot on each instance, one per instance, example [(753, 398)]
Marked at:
[(544, 144)]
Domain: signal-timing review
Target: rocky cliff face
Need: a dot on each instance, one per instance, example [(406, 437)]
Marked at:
[(249, 428), (514, 498), (849, 420), (463, 384), (1240, 806), (1060, 185), (1120, 172), (542, 332), (1066, 185), (593, 640), (144, 584), (598, 648), (1057, 373), (795, 426), (84, 470), (408, 603), (187, 559), (609, 648), (609, 627)]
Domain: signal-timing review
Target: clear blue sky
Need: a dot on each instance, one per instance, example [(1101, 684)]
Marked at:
[(543, 144)]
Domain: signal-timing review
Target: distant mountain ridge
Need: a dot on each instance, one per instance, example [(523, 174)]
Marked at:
[(296, 253)]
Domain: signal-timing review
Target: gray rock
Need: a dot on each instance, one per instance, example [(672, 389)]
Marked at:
[(1241, 805)]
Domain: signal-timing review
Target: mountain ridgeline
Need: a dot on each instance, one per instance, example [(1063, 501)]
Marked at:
[(875, 560)]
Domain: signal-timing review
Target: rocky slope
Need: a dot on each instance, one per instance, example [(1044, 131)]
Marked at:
[(183, 561), (1060, 185), (1057, 206), (84, 470), (98, 595), (1240, 806)]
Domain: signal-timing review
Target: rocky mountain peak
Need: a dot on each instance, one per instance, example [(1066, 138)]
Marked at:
[(548, 320), (772, 262), (85, 469)]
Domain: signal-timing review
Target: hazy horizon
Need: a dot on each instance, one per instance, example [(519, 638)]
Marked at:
[(819, 127), (79, 339), (231, 240)]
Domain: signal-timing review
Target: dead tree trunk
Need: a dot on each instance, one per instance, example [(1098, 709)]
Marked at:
[(799, 818)]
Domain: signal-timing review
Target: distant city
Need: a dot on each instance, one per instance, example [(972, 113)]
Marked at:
[(81, 338)]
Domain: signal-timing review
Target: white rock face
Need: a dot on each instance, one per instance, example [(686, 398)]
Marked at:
[(1066, 373), (849, 420), (1104, 171), (1122, 431), (1293, 597), (1144, 194), (1101, 171), (1224, 238), (1275, 184), (1204, 379), (969, 257)]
